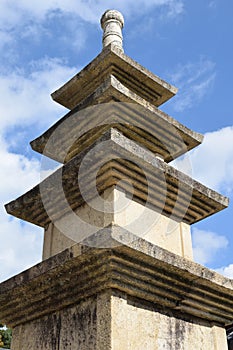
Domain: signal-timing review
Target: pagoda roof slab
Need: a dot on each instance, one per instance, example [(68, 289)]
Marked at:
[(112, 61), (114, 105), (125, 264), (111, 159)]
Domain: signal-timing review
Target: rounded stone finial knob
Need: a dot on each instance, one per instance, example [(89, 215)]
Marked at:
[(112, 23)]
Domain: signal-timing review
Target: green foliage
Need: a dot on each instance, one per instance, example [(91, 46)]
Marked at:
[(5, 337)]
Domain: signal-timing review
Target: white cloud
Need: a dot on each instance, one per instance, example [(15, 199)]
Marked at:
[(25, 98), (31, 21), (194, 80), (20, 243), (20, 173), (21, 246), (5, 38), (212, 164), (212, 161), (206, 245), (12, 13), (25, 101), (226, 271), (175, 9)]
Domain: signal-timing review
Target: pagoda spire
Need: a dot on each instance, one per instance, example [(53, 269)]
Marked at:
[(112, 23)]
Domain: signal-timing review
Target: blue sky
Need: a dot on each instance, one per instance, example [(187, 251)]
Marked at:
[(187, 43)]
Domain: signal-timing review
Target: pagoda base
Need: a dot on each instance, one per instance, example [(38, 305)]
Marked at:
[(129, 296), (117, 321)]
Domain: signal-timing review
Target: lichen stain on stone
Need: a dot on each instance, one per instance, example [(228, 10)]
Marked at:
[(79, 327), (180, 331), (49, 332)]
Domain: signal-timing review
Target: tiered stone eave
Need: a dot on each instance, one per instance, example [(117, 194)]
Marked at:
[(112, 61), (136, 118), (171, 192), (129, 265)]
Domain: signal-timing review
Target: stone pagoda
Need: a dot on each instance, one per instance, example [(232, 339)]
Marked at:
[(117, 270)]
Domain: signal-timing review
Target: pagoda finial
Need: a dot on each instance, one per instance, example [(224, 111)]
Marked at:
[(112, 23)]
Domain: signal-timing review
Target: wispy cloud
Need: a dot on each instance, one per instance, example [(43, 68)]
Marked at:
[(30, 22), (13, 13), (212, 4), (206, 245), (194, 80), (226, 271), (175, 9), (25, 102), (25, 98), (212, 162), (21, 244)]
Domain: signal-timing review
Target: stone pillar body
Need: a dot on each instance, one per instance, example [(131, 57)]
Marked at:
[(159, 230)]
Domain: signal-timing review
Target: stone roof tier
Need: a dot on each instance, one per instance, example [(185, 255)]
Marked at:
[(113, 158), (135, 118), (128, 265)]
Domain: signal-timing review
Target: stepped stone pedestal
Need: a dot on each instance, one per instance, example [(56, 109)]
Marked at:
[(117, 270), (125, 296)]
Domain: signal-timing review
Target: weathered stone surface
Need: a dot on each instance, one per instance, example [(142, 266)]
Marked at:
[(134, 117), (155, 183), (132, 266), (117, 321), (55, 241), (136, 325), (131, 74), (74, 328)]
